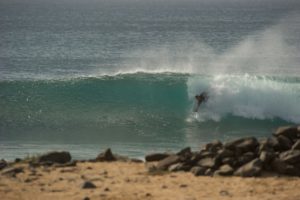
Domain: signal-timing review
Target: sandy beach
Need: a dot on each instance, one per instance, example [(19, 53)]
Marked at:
[(129, 180)]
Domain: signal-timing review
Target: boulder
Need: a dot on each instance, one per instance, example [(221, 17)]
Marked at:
[(156, 157), (266, 157), (265, 145), (281, 167), (224, 153), (251, 169), (274, 143), (213, 146), (285, 142), (290, 132), (296, 145), (230, 161), (224, 170), (242, 144), (179, 167), (55, 157), (245, 158), (12, 171), (209, 162), (107, 155), (278, 166), (168, 161), (3, 164), (291, 156), (198, 171), (185, 151)]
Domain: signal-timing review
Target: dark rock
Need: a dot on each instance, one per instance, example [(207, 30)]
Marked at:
[(265, 145), (230, 161), (266, 157), (86, 198), (224, 153), (279, 166), (250, 169), (208, 162), (290, 132), (3, 164), (224, 170), (198, 171), (242, 144), (175, 167), (274, 143), (185, 152), (205, 153), (296, 145), (55, 157), (13, 171), (107, 155), (291, 156), (165, 163), (245, 158), (88, 185), (213, 146), (156, 157), (285, 142), (18, 160)]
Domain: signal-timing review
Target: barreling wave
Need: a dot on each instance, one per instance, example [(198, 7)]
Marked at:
[(146, 100), (248, 96)]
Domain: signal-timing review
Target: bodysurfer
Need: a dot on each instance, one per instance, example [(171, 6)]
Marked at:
[(201, 98)]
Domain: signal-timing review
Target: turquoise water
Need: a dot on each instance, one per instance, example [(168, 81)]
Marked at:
[(83, 76)]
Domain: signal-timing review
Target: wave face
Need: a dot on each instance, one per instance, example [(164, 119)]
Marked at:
[(144, 103)]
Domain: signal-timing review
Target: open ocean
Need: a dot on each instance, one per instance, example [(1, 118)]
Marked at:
[(84, 75)]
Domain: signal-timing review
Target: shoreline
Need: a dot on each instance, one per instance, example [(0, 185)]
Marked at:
[(243, 168)]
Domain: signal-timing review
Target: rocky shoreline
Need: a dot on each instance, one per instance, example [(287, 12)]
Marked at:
[(246, 157), (181, 175)]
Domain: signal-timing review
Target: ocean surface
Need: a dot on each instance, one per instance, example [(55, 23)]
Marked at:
[(86, 75)]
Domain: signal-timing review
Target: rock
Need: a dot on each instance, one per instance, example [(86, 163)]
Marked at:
[(230, 161), (13, 171), (274, 143), (165, 163), (208, 162), (243, 144), (156, 157), (245, 158), (18, 160), (198, 171), (184, 152), (55, 157), (107, 155), (88, 185), (290, 132), (296, 145), (213, 146), (266, 157), (224, 170), (175, 167), (291, 156), (224, 153), (285, 142), (209, 172), (86, 198), (250, 169), (3, 164), (281, 167)]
